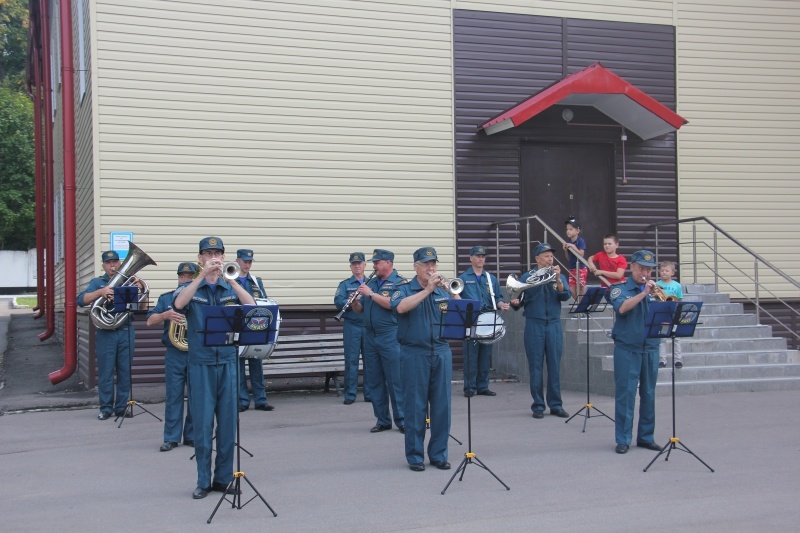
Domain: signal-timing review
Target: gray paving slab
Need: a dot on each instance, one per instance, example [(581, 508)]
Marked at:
[(321, 470)]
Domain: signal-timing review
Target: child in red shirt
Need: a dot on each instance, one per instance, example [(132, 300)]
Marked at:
[(609, 263)]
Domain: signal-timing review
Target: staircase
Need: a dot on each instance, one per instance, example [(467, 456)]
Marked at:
[(730, 352)]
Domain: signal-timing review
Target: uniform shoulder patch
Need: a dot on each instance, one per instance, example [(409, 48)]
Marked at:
[(615, 292)]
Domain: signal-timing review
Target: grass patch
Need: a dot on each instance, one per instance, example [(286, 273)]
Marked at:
[(29, 301)]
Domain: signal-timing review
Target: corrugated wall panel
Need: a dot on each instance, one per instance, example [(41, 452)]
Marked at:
[(528, 50), (301, 130), (641, 11)]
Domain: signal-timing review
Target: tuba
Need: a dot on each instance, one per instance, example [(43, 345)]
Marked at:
[(101, 312), (177, 335), (537, 277)]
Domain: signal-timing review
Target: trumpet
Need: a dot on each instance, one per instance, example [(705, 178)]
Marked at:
[(659, 294), (231, 270), (453, 286)]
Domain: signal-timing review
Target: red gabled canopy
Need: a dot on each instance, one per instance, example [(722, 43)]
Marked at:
[(598, 87)]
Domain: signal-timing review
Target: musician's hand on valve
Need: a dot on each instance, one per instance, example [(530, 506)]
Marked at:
[(504, 306), (364, 290), (107, 293), (515, 302), (174, 316), (557, 269)]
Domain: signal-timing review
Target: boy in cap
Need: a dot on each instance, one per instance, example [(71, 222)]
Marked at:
[(574, 247), (112, 346), (544, 338), (212, 370), (427, 361), (353, 330), (381, 349), (635, 355), (255, 287), (175, 367), (482, 286)]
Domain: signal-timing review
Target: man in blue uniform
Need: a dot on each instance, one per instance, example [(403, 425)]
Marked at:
[(175, 367), (112, 346), (482, 286), (381, 349), (427, 361), (353, 330), (212, 370), (635, 355), (543, 334), (255, 287)]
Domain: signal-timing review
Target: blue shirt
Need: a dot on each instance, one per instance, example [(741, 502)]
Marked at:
[(629, 329), (580, 244), (478, 289), (343, 292), (543, 302), (421, 327), (221, 294), (671, 288), (376, 318), (256, 289)]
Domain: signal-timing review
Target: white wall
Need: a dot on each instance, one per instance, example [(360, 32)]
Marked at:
[(18, 268)]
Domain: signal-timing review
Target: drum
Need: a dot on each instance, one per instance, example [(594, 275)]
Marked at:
[(262, 351), (490, 327)]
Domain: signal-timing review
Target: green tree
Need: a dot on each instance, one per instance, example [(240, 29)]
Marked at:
[(13, 42), (16, 171)]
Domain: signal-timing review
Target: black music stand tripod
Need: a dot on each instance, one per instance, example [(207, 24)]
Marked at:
[(670, 320), (591, 302), (463, 327), (125, 297), (238, 326)]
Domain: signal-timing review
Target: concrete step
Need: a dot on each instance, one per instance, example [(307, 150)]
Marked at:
[(717, 359), (689, 388), (725, 372), (712, 298)]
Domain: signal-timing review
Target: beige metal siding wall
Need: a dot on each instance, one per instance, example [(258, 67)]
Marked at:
[(303, 130), (738, 79), (637, 11)]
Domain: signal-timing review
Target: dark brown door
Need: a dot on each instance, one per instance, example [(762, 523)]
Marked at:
[(559, 180)]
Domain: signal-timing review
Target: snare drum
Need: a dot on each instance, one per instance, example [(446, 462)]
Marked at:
[(490, 327), (262, 351)]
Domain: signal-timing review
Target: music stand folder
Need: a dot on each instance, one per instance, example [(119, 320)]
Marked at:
[(125, 297), (671, 320), (239, 325), (593, 301)]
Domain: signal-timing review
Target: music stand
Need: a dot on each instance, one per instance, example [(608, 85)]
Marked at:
[(459, 323), (593, 301), (125, 297), (670, 320), (239, 325)]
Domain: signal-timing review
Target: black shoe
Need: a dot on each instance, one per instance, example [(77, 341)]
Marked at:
[(167, 446), (401, 429), (649, 445), (678, 364), (200, 493), (560, 413), (368, 400), (441, 465), (103, 415), (265, 407), (487, 392), (223, 487), (243, 408), (188, 442), (124, 414), (622, 448), (468, 394), (538, 414), (662, 364), (379, 427), (349, 402), (417, 467)]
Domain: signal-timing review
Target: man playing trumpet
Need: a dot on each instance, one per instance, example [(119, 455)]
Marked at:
[(427, 362), (212, 369), (175, 367)]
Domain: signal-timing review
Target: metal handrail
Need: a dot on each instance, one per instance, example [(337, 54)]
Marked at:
[(547, 231), (715, 268)]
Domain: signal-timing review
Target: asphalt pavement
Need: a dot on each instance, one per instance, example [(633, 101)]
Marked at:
[(318, 466)]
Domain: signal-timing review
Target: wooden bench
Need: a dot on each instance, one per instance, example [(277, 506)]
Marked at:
[(308, 355)]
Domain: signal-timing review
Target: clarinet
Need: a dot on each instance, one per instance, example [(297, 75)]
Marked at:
[(352, 299)]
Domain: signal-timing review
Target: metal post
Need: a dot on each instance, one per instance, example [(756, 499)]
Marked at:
[(716, 263), (758, 304), (694, 250), (497, 248), (528, 241), (658, 255)]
